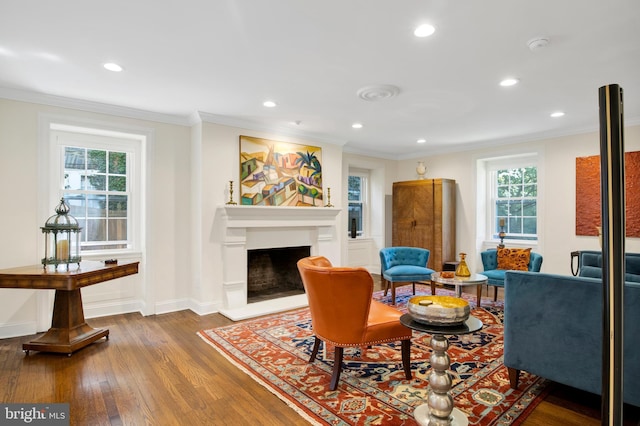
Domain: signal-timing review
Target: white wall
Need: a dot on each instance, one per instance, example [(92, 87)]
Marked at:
[(161, 285), (364, 251), (189, 169), (557, 194), (218, 162)]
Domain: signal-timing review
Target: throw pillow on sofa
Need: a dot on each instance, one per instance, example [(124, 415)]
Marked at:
[(514, 259)]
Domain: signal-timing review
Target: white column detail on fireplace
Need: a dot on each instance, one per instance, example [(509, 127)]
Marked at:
[(263, 227)]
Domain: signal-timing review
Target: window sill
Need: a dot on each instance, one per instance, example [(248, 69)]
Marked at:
[(112, 255), (359, 239), (511, 243)]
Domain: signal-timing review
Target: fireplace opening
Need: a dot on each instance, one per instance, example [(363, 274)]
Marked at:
[(272, 273)]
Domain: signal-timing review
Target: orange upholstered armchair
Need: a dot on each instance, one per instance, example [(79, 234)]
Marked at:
[(344, 314)]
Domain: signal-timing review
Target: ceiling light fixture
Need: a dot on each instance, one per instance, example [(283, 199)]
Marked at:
[(269, 104), (424, 30), (421, 141), (509, 82), (557, 114), (357, 125), (112, 66)]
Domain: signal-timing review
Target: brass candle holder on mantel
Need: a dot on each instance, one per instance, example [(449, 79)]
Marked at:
[(329, 198), (231, 202)]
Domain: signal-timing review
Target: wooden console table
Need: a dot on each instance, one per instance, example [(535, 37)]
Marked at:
[(69, 331)]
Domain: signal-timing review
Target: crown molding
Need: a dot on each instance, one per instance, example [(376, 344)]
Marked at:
[(91, 106), (205, 117)]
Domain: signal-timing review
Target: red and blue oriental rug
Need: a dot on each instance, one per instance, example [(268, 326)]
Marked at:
[(275, 350)]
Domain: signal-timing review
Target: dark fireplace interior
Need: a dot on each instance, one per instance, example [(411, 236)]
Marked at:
[(272, 273)]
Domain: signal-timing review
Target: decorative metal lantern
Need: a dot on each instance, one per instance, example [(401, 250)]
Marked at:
[(61, 238)]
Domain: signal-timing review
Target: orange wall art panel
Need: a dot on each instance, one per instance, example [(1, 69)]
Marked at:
[(588, 211)]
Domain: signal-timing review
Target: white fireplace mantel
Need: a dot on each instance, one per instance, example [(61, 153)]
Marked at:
[(251, 227), (265, 216)]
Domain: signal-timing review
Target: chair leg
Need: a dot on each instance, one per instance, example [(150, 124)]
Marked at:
[(316, 346), (386, 286), (433, 288), (337, 366), (495, 293), (414, 288), (393, 293), (406, 358)]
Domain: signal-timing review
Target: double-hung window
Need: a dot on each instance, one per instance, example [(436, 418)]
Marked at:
[(358, 198), (98, 176), (512, 202)]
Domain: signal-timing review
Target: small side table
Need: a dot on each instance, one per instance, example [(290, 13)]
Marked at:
[(475, 279), (439, 409), (69, 331)]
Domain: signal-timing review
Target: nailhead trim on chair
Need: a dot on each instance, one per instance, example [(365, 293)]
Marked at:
[(347, 345)]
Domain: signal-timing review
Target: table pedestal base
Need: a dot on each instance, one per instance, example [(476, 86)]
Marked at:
[(457, 417), (69, 331)]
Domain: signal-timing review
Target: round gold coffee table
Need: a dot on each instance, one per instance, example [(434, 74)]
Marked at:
[(475, 279)]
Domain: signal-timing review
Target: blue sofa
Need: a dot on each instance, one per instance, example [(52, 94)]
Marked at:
[(591, 265), (553, 329)]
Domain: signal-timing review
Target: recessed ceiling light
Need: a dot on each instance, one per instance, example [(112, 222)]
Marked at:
[(424, 30), (509, 82), (557, 114), (357, 125), (421, 141), (269, 104), (111, 66)]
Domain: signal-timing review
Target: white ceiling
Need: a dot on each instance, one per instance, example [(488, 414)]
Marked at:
[(225, 57)]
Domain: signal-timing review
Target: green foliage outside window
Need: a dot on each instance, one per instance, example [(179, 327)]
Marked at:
[(516, 202)]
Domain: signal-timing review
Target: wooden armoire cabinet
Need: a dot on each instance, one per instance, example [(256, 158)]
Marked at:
[(424, 215)]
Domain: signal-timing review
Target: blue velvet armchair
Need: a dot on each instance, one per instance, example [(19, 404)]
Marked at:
[(496, 276), (403, 265)]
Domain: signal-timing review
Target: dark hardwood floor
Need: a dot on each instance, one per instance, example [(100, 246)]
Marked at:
[(156, 371)]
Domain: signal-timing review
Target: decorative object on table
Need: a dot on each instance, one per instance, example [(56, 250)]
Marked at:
[(61, 238), (421, 170), (438, 310), (329, 198), (354, 228), (231, 202), (276, 173), (588, 203), (501, 234), (447, 274), (463, 270), (374, 388)]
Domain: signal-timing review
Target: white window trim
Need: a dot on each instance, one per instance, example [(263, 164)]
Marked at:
[(49, 179), (486, 188)]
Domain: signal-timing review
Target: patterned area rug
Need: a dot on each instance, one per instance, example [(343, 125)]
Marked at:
[(275, 350)]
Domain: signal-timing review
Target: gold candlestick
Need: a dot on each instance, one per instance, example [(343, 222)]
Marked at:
[(231, 202), (328, 198)]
